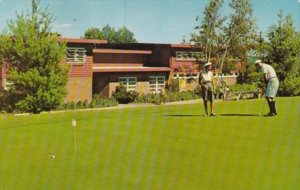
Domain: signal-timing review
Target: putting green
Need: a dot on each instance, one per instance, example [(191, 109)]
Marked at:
[(157, 147)]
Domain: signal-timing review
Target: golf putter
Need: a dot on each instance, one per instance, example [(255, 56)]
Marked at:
[(262, 109)]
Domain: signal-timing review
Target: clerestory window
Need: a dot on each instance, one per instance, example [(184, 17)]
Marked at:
[(76, 55), (188, 55)]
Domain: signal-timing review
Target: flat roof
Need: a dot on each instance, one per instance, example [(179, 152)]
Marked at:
[(122, 51), (84, 41), (130, 69)]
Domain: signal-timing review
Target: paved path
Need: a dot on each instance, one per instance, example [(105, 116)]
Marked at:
[(122, 106), (132, 105)]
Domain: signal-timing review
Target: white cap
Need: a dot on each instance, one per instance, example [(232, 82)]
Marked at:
[(207, 64), (258, 61)]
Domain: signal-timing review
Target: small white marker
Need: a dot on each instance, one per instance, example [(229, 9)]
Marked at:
[(74, 123)]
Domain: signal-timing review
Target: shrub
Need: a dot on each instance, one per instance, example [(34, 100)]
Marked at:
[(173, 86), (80, 105), (7, 100), (98, 102), (123, 96), (243, 87), (3, 112), (181, 96), (151, 98), (290, 87), (70, 105), (169, 96), (86, 104)]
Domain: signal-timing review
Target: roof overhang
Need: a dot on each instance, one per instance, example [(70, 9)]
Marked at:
[(121, 51), (130, 69)]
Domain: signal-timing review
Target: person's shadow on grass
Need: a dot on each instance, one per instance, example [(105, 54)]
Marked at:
[(239, 114), (222, 115), (184, 115)]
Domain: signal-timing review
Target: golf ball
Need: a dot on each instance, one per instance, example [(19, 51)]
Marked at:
[(53, 156)]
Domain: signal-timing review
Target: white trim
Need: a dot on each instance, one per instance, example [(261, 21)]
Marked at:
[(130, 83), (185, 76), (156, 84)]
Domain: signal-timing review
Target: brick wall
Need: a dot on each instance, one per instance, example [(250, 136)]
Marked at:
[(79, 88), (80, 81)]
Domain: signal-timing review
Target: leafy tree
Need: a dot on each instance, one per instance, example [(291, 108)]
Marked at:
[(109, 34), (93, 33), (34, 56), (122, 35), (227, 38), (240, 35), (209, 27), (283, 53)]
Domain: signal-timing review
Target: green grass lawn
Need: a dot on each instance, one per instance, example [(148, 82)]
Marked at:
[(157, 147)]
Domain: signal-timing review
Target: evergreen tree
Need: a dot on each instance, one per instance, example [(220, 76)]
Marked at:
[(283, 53), (34, 60)]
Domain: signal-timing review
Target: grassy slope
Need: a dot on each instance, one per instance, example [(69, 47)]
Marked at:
[(161, 147)]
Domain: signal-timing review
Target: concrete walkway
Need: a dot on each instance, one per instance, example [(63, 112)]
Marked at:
[(123, 106), (136, 105)]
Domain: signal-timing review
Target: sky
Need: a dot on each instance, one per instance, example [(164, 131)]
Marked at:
[(151, 21)]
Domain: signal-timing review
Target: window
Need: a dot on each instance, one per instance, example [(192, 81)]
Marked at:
[(76, 55), (186, 76), (128, 82), (188, 55), (157, 84)]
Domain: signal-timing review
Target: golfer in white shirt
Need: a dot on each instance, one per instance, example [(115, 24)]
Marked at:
[(272, 82)]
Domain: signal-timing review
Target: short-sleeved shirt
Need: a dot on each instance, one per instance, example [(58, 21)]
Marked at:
[(205, 76), (269, 70)]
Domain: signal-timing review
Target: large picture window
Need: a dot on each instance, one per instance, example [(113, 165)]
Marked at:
[(76, 55), (128, 82), (157, 84)]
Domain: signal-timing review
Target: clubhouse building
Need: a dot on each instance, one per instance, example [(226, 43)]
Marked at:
[(97, 67)]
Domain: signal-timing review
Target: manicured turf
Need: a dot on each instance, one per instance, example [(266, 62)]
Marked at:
[(158, 147)]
